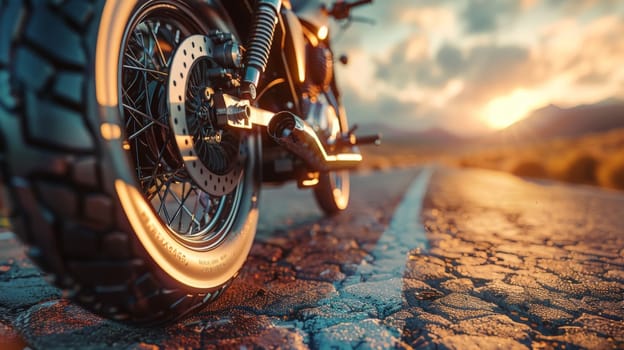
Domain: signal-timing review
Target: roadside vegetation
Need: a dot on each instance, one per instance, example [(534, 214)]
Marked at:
[(595, 159), (392, 153)]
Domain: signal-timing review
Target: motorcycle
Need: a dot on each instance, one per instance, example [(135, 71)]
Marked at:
[(135, 137)]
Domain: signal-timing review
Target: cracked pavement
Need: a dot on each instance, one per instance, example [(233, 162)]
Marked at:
[(485, 261)]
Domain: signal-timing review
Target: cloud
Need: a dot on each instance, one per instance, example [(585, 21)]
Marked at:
[(443, 62), (403, 68), (485, 69), (575, 7), (426, 18), (492, 69), (592, 52), (593, 77), (386, 109), (481, 16), (450, 59), (444, 88), (406, 115)]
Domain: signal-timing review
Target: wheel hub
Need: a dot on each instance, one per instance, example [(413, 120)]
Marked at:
[(212, 156)]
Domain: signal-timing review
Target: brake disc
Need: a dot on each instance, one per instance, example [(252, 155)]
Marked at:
[(213, 157)]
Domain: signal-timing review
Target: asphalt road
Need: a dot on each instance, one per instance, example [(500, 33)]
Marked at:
[(424, 258)]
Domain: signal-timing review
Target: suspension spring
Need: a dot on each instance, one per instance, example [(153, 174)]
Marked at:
[(260, 40)]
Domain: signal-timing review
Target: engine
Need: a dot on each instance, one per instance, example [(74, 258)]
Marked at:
[(320, 66)]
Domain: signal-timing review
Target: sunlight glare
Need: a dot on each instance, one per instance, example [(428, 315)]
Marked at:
[(503, 111), (323, 32)]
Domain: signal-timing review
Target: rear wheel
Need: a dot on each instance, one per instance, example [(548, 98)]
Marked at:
[(127, 190)]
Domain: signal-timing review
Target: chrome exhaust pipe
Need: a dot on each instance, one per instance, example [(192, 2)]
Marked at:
[(287, 130), (299, 138)]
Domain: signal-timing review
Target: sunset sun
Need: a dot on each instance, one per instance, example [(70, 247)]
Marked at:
[(503, 111)]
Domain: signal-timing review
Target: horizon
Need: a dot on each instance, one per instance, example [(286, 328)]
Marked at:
[(472, 66), (389, 126)]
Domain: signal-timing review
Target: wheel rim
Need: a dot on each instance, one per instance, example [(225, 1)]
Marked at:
[(197, 218)]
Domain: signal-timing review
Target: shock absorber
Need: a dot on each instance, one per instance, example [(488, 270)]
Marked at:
[(260, 41)]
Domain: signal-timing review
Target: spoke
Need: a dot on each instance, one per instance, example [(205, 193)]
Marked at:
[(127, 95), (135, 60), (158, 161), (181, 204), (160, 51), (140, 40), (156, 166), (132, 117), (158, 176), (142, 130), (163, 181), (147, 95), (130, 94), (192, 214), (195, 208), (147, 53), (178, 211), (163, 201), (133, 102), (142, 114), (153, 71), (136, 157), (147, 56)]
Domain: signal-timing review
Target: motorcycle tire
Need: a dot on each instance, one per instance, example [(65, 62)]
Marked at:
[(332, 193), (80, 184)]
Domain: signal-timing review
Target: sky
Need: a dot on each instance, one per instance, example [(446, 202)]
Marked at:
[(472, 66)]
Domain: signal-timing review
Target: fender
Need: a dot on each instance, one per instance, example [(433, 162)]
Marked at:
[(295, 42), (218, 15)]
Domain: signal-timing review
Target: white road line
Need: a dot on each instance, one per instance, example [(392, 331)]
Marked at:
[(405, 226), (4, 236), (404, 234)]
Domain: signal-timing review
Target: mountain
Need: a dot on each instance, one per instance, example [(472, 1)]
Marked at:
[(548, 122), (552, 122), (390, 133)]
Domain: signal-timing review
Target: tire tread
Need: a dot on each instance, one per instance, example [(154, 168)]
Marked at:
[(64, 210)]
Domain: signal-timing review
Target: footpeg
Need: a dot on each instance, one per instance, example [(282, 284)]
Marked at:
[(350, 139), (308, 180), (368, 140)]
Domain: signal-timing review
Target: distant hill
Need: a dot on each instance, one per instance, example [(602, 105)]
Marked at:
[(554, 122), (546, 123), (392, 134)]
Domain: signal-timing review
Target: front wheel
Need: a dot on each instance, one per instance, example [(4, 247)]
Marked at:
[(333, 190), (127, 191)]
